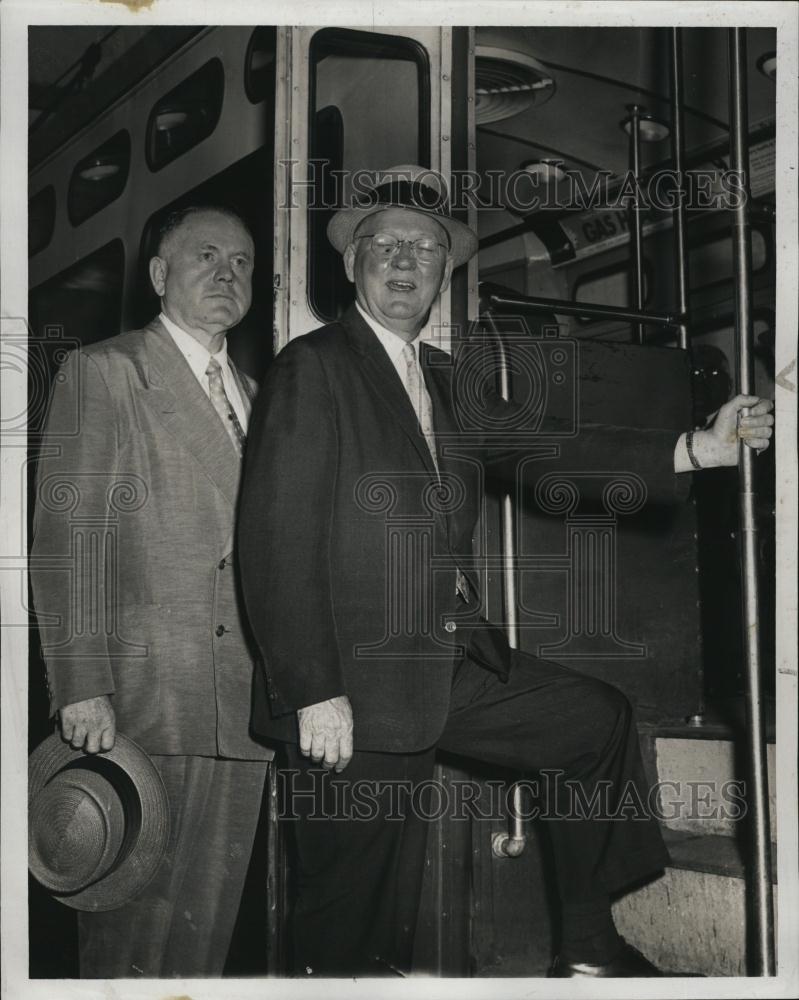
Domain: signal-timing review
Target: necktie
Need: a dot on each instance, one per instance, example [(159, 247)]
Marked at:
[(417, 390), (420, 398), (222, 406)]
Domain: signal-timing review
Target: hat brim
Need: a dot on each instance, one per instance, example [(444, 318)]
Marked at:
[(145, 842), (341, 229)]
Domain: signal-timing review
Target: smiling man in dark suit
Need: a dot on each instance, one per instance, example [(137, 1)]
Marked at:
[(374, 651), (151, 642)]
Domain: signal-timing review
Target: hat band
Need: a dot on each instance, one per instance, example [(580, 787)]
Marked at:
[(406, 194)]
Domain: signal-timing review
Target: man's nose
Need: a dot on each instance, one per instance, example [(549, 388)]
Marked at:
[(224, 271), (404, 258)]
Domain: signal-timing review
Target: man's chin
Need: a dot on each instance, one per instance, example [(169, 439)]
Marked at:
[(223, 318), (401, 309)]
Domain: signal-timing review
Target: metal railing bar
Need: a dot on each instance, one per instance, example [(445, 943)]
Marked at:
[(678, 154), (496, 297), (757, 793)]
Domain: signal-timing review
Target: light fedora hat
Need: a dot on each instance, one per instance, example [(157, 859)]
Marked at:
[(98, 824), (414, 188)]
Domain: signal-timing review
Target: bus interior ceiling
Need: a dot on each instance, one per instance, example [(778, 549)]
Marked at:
[(543, 94)]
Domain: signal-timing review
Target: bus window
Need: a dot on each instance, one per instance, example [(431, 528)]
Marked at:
[(186, 115), (370, 109), (99, 178), (41, 219)]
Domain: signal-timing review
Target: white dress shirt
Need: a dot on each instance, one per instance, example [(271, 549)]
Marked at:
[(198, 357), (393, 344)]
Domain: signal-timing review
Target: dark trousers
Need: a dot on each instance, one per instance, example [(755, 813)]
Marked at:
[(360, 868), (182, 921)]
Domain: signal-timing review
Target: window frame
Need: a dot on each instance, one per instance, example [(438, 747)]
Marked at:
[(155, 165), (340, 40)]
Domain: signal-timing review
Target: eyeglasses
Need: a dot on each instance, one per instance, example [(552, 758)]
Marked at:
[(384, 245)]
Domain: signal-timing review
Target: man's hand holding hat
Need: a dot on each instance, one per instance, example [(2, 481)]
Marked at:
[(89, 725)]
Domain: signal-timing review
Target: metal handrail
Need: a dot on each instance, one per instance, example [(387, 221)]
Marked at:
[(498, 297), (636, 222), (678, 155), (760, 885)]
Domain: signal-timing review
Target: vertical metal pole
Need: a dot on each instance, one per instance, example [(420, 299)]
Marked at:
[(763, 919), (510, 844), (678, 151), (636, 236), (508, 519)]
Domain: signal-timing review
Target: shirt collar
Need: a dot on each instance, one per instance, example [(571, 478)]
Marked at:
[(391, 341), (192, 350)]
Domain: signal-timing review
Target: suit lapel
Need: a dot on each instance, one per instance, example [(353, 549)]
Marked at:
[(177, 399), (382, 374)]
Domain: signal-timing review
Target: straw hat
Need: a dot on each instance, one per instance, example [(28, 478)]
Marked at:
[(98, 824), (407, 186)]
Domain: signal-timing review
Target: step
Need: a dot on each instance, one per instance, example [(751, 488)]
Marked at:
[(694, 917), (689, 921), (702, 784)]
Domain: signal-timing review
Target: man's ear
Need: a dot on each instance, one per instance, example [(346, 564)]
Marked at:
[(446, 275), (349, 263), (158, 269)]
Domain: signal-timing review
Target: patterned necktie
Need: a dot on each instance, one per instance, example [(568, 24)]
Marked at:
[(417, 390), (222, 406)]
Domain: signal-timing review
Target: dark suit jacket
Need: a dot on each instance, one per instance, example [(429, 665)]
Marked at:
[(348, 550), (131, 563)]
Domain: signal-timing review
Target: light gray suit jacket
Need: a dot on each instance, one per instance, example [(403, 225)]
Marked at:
[(132, 570)]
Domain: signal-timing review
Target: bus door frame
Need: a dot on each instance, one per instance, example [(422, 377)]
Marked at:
[(293, 315)]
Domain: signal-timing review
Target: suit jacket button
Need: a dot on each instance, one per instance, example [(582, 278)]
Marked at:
[(222, 563), (450, 626), (220, 630)]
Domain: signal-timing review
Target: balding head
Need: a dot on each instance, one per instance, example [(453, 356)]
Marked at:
[(170, 227)]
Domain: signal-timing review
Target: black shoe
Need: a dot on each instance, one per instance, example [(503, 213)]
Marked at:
[(628, 963)]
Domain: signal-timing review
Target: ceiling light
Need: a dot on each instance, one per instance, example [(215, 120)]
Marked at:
[(549, 171), (99, 170), (508, 82), (767, 64), (165, 121), (650, 129)]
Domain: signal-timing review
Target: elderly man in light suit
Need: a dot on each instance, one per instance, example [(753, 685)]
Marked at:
[(149, 640)]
